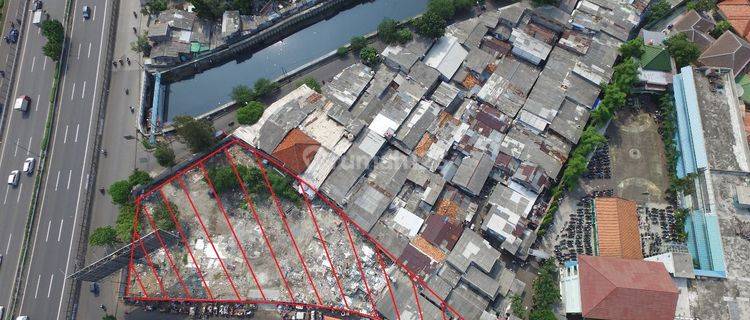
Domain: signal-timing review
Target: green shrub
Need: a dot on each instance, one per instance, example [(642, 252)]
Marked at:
[(250, 114), (103, 236)]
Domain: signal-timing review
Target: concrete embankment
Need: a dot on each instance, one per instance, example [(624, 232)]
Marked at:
[(243, 48)]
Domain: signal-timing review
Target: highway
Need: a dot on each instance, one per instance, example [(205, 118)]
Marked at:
[(63, 190), (22, 138)]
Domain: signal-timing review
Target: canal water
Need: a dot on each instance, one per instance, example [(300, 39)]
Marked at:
[(211, 88)]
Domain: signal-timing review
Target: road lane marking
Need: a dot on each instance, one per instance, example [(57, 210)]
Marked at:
[(78, 126), (28, 150), (83, 92), (59, 232), (58, 179), (72, 93), (70, 173), (36, 108), (22, 53), (44, 66), (15, 152), (89, 54), (49, 290), (6, 194), (49, 225), (65, 138), (85, 157), (20, 191), (33, 63), (38, 279), (93, 16), (78, 57), (7, 247)]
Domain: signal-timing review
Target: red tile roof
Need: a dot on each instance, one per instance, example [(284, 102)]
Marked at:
[(738, 14), (296, 151), (617, 228), (619, 289)]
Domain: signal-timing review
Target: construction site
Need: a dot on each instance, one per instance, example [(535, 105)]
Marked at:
[(250, 232)]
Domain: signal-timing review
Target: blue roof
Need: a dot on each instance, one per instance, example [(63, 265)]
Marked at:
[(689, 135), (156, 106), (704, 244)]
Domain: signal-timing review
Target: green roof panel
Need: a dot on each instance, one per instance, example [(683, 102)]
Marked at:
[(656, 59)]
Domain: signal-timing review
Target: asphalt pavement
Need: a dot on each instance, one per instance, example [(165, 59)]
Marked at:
[(22, 138), (44, 293), (123, 155)]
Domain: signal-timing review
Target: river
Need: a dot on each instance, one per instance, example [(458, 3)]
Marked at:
[(211, 88)]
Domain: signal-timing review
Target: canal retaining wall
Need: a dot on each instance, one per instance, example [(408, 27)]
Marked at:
[(260, 40)]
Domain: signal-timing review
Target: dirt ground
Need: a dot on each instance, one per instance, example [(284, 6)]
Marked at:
[(639, 170)]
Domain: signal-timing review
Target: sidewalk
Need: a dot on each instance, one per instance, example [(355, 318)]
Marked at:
[(123, 155)]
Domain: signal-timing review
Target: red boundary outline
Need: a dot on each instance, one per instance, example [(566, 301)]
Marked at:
[(208, 236), (166, 251), (184, 242), (231, 228), (278, 165), (251, 205)]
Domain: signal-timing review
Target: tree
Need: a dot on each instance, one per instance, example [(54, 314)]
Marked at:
[(103, 236), (720, 28), (55, 33), (388, 31), (242, 94), (52, 50), (404, 35), (625, 74), (124, 222), (358, 43), (682, 50), (462, 5), (53, 30), (342, 51), (263, 87), (119, 191), (108, 317), (156, 6), (659, 10), (251, 113), (546, 292), (369, 56), (443, 8), (141, 44), (164, 155), (139, 177), (540, 3), (701, 5), (430, 25), (197, 134), (208, 9), (244, 6), (223, 178), (310, 82), (516, 306), (632, 48)]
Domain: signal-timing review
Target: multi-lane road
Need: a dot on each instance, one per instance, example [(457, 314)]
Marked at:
[(57, 224)]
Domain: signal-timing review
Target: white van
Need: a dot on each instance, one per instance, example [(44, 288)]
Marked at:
[(22, 103), (2, 312)]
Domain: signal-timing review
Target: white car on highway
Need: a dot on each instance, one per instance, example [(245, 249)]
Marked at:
[(28, 165), (13, 178), (22, 103)]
